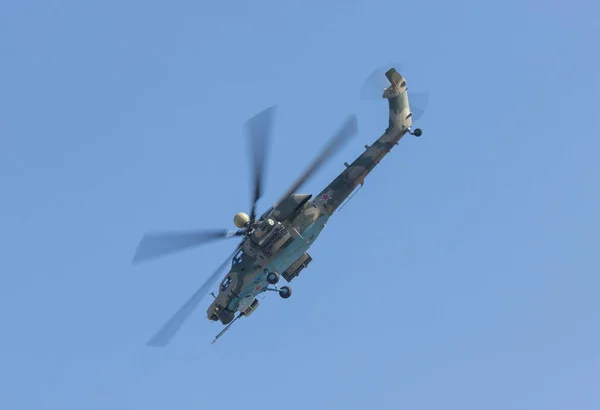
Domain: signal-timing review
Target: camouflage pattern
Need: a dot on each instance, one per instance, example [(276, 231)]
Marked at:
[(288, 230), (400, 122)]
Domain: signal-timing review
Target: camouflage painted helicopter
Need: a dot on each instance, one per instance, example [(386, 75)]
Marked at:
[(274, 245)]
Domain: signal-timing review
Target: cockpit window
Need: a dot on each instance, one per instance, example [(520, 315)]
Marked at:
[(237, 259), (226, 283)]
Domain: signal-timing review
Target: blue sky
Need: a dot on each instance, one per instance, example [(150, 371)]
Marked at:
[(460, 277)]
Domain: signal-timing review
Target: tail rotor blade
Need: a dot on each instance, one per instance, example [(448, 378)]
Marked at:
[(418, 103), (169, 329), (376, 82), (156, 244)]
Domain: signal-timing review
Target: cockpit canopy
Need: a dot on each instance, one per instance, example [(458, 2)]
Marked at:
[(225, 283), (237, 259)]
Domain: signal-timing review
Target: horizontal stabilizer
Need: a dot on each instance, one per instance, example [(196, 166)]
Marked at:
[(394, 77)]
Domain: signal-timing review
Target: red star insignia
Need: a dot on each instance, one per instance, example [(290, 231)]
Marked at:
[(325, 197)]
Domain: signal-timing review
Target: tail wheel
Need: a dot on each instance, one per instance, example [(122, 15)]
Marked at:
[(273, 278), (285, 292)]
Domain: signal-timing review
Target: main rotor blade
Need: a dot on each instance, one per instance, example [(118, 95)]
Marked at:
[(348, 129), (169, 329), (259, 130), (157, 244)]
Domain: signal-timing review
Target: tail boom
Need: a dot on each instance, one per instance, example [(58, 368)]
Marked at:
[(400, 123)]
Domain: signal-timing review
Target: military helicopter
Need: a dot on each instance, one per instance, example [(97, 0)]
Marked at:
[(274, 245)]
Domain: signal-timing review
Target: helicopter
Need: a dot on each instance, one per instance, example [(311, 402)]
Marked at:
[(274, 245)]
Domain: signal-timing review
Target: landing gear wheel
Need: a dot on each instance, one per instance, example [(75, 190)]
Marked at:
[(417, 132), (285, 292), (273, 278)]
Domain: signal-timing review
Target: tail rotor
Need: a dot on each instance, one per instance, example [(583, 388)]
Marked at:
[(376, 83)]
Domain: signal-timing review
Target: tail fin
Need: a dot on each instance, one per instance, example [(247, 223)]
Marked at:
[(397, 96)]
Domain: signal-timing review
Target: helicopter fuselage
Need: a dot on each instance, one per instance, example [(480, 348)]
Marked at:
[(277, 248)]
